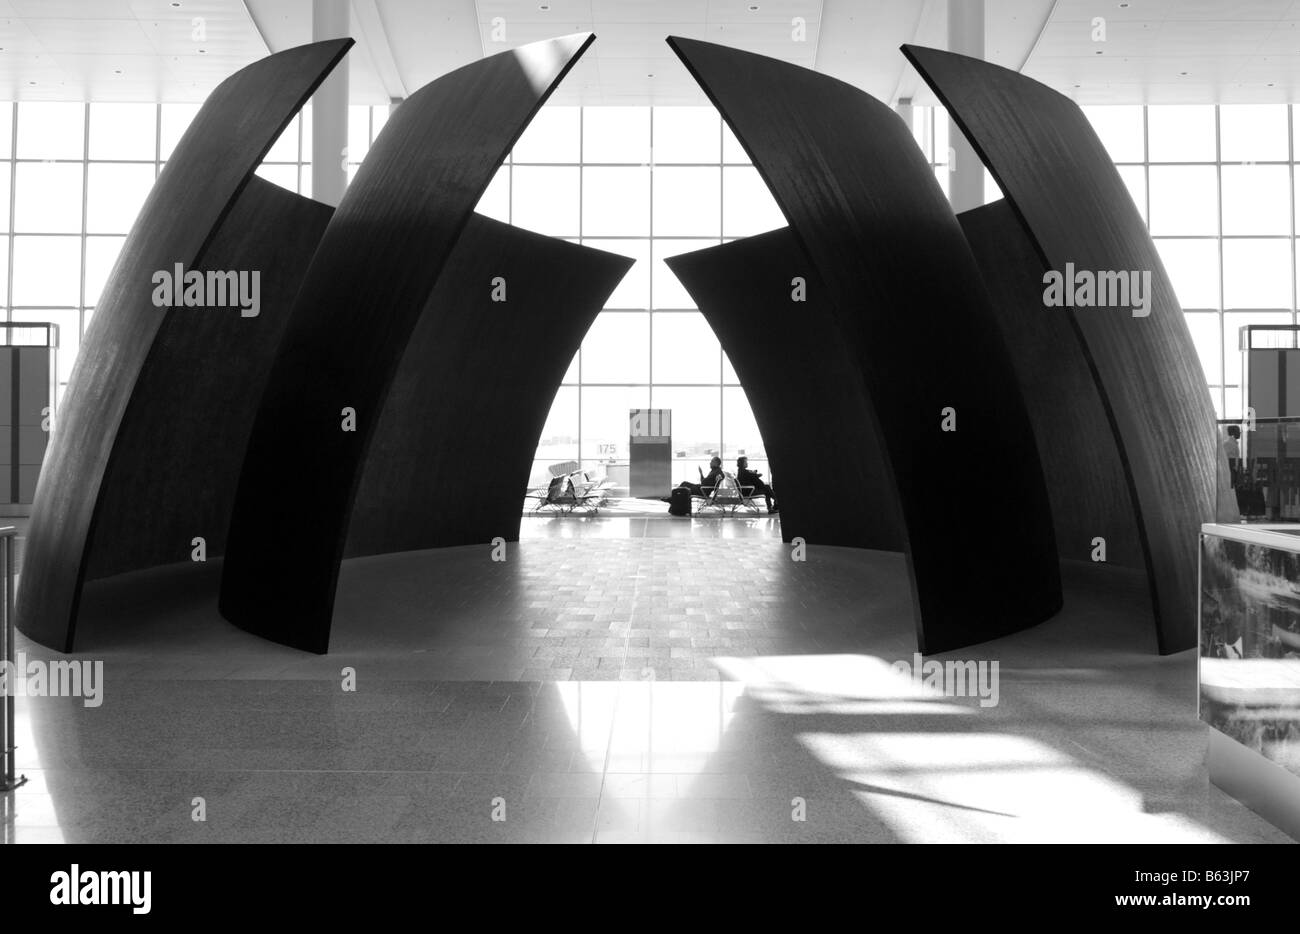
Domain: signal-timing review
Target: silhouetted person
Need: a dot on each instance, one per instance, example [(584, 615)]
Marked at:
[(708, 481), (752, 478)]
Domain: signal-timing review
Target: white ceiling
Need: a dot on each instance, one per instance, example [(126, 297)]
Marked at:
[(1229, 50)]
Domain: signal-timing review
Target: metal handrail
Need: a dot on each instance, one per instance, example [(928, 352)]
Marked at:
[(8, 542)]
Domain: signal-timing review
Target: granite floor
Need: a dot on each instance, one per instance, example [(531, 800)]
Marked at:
[(654, 681)]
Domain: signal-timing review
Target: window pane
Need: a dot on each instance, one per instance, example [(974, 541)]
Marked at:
[(1179, 133), (605, 422), (6, 130), (495, 202), (739, 428), (616, 134), (559, 439), (747, 205), (668, 290), (1206, 336), (697, 418), (1184, 200), (117, 191), (617, 348), (685, 349), (51, 131), (48, 198), (5, 169), (1193, 265), (1253, 133), (123, 131), (1135, 179), (4, 269), (286, 176), (175, 121), (634, 290), (553, 136), (732, 151), (101, 254), (305, 116), (687, 202), (686, 134), (1256, 199), (358, 132), (616, 201), (1120, 130), (285, 147), (1233, 321), (1257, 273), (47, 271), (545, 199)]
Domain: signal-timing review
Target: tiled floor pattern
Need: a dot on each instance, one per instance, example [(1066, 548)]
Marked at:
[(569, 694)]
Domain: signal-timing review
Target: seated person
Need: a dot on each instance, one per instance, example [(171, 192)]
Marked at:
[(707, 482), (752, 478)]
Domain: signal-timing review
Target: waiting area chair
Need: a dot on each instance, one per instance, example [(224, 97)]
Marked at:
[(569, 490), (726, 498)]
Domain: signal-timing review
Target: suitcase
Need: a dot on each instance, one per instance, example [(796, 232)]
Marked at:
[(679, 502)]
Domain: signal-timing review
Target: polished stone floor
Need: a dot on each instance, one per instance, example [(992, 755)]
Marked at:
[(620, 680)]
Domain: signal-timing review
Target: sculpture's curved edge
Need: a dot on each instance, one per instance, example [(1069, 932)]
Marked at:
[(366, 289), (804, 389), (211, 165), (474, 388), (1149, 378)]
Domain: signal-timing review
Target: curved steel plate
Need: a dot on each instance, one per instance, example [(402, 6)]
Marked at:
[(912, 308), (370, 281), (211, 164)]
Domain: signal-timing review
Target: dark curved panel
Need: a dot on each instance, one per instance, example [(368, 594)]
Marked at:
[(803, 386), (210, 166), (454, 446), (182, 438), (1063, 186), (371, 278), (912, 308), (1085, 476)]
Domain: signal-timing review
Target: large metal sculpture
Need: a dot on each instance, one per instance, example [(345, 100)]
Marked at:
[(372, 278), (455, 442), (1075, 208), (912, 310), (197, 189), (770, 310)]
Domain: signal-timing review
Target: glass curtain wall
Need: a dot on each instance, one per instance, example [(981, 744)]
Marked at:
[(1214, 183)]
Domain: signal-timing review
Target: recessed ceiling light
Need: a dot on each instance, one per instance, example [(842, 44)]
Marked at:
[(753, 8), (176, 4), (1184, 74), (32, 83), (650, 75), (545, 8), (117, 71), (203, 51), (1124, 6), (1099, 52)]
